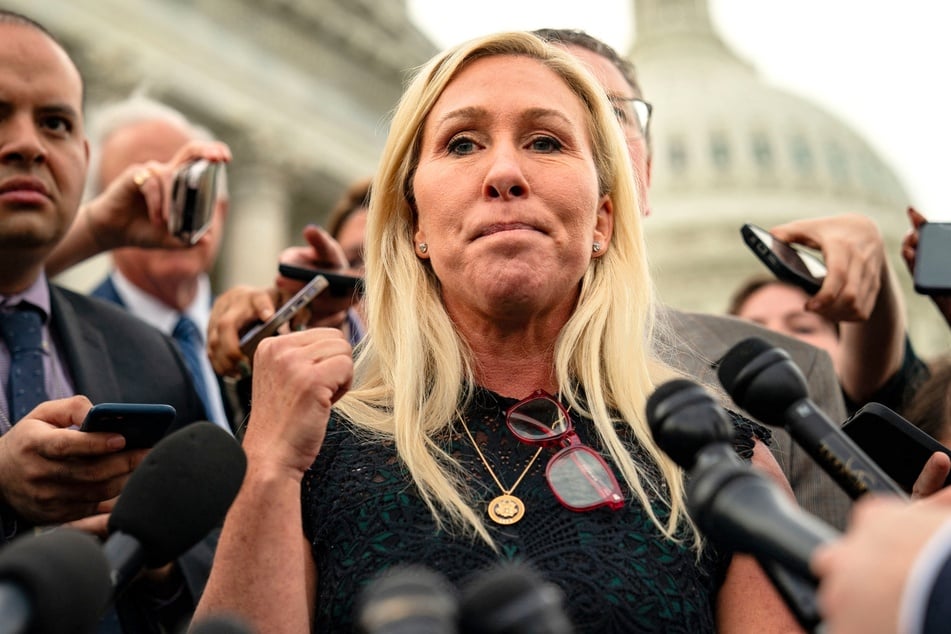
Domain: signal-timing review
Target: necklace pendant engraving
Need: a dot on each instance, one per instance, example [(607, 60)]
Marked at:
[(506, 509)]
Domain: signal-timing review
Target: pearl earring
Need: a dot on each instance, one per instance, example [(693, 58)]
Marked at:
[(596, 247), (423, 247)]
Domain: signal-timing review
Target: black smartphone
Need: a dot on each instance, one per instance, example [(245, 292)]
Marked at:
[(788, 263), (340, 284), (933, 259), (194, 194), (249, 342), (897, 446), (142, 424)]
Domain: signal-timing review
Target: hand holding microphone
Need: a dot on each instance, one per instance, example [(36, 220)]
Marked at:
[(508, 599), (731, 502), (53, 583), (763, 380), (178, 494)]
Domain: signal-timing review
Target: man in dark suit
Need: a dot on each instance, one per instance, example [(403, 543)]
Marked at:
[(59, 351)]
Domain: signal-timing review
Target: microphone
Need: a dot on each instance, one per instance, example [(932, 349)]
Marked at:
[(513, 599), (221, 624), (764, 380), (407, 600), (53, 583), (731, 502), (179, 493)]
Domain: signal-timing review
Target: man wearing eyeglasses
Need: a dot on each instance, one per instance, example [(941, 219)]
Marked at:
[(703, 339)]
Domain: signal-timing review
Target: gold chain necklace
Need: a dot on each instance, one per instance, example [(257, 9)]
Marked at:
[(506, 508)]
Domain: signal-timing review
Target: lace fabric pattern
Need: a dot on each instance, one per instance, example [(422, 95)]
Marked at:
[(362, 515)]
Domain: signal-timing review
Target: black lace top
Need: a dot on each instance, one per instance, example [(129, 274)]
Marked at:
[(618, 573)]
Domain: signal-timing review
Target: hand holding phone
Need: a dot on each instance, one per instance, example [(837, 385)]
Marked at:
[(142, 424), (787, 262), (897, 446), (194, 194), (249, 342)]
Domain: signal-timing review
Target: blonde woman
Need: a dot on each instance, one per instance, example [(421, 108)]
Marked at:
[(504, 262)]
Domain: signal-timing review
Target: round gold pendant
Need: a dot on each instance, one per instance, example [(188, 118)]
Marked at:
[(506, 509)]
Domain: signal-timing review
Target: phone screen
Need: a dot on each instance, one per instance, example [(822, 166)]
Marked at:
[(249, 342), (933, 259), (786, 262)]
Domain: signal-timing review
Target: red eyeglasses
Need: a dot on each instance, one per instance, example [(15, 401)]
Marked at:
[(580, 479)]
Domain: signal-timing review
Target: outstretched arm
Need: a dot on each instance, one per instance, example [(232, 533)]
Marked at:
[(860, 293), (131, 212)]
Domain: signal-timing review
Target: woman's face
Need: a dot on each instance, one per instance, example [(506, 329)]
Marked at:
[(507, 191), (781, 307)]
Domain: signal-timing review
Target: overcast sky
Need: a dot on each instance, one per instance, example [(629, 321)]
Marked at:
[(880, 65)]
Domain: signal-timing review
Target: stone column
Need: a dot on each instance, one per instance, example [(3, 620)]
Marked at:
[(257, 225)]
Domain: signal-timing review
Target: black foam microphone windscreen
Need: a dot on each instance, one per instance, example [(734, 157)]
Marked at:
[(512, 599), (407, 599), (53, 583), (220, 624), (180, 492), (764, 380)]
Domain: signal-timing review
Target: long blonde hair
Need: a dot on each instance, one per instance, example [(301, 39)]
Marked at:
[(413, 368)]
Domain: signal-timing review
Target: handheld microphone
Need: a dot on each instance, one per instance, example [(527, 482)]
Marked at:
[(53, 583), (513, 599), (731, 502), (407, 600), (764, 380), (179, 493), (221, 624)]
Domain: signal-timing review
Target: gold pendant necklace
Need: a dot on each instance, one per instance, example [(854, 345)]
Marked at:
[(504, 509)]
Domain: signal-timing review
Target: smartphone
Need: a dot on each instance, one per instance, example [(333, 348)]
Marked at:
[(142, 424), (249, 342), (933, 259), (897, 446), (340, 284), (194, 194), (787, 262)]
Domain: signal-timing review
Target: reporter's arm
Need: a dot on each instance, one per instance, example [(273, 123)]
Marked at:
[(861, 294), (131, 212)]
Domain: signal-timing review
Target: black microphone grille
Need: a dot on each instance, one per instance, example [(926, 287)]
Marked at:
[(65, 574), (737, 358), (181, 491), (220, 624), (510, 599), (407, 599), (669, 397)]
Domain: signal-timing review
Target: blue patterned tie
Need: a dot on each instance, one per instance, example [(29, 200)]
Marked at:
[(189, 340), (22, 330)]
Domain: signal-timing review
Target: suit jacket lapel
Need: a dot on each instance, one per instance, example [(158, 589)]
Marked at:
[(84, 348)]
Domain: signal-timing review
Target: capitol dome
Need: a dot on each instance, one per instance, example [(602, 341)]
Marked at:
[(728, 148)]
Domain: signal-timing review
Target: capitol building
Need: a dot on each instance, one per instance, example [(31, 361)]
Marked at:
[(301, 90)]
